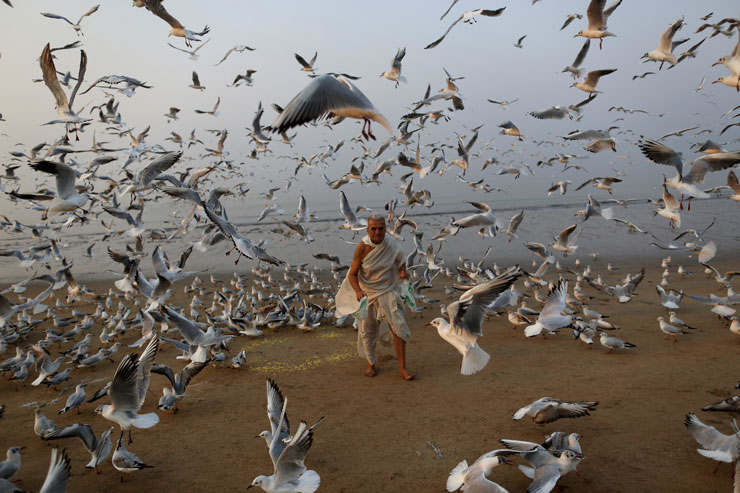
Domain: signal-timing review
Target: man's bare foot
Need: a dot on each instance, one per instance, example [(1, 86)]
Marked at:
[(407, 375), (371, 371)]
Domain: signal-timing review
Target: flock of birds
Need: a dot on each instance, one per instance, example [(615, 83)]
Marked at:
[(278, 294)]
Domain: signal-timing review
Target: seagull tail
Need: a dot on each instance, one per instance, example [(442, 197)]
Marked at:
[(474, 360), (146, 420), (533, 330), (457, 476), (309, 482)]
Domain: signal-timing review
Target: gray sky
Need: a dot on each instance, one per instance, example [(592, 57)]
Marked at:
[(361, 38)]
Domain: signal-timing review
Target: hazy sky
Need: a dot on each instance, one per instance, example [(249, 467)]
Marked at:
[(361, 38)]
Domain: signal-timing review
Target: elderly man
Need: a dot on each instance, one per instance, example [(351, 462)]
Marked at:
[(377, 265)]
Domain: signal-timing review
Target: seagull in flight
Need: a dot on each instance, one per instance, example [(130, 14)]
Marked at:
[(467, 17), (75, 25), (176, 29)]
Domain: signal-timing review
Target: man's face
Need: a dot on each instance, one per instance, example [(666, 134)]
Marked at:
[(376, 230)]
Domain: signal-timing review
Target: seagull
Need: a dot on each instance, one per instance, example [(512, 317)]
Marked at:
[(551, 318), (238, 49), (12, 463), (63, 105), (715, 444), (733, 183), (467, 17), (474, 478), (196, 82), (290, 474), (546, 410), (98, 448), (573, 67), (327, 94), (394, 74), (570, 18), (350, 219), (669, 329), (564, 242), (214, 111), (75, 25), (554, 113), (664, 52), (178, 381), (519, 44), (42, 425), (466, 320), (670, 300), (730, 405), (194, 337), (242, 244), (592, 78), (176, 29), (597, 15), (732, 62), (68, 199), (485, 219), (307, 66), (126, 461), (128, 391), (75, 399), (670, 208), (614, 343), (193, 53), (508, 128), (546, 468)]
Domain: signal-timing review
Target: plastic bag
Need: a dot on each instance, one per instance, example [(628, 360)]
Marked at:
[(361, 312), (407, 293)]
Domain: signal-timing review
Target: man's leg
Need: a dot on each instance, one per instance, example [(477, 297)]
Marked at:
[(400, 346), (369, 335)]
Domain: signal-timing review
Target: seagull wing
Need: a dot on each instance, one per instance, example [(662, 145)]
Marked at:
[(157, 166), (468, 314), (57, 477), (57, 16), (593, 77), (80, 77), (545, 478), (666, 38), (65, 176), (156, 8), (50, 79), (274, 408), (435, 43), (165, 370), (321, 96), (84, 432), (595, 14), (661, 154), (188, 329), (289, 466)]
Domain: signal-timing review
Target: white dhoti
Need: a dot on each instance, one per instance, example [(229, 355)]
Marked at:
[(378, 278)]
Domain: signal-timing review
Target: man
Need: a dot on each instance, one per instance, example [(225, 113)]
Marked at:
[(377, 265)]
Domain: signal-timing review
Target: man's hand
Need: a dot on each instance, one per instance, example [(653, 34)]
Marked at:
[(360, 294), (402, 273)]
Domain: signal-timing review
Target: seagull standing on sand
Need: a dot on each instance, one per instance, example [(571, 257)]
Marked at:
[(125, 461), (466, 320), (336, 96)]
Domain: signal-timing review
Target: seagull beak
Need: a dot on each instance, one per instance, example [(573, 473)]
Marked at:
[(250, 486), (716, 63), (429, 324), (257, 436)]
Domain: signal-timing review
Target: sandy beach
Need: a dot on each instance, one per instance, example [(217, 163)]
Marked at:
[(377, 432)]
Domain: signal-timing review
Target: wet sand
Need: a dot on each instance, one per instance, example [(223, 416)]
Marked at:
[(377, 430)]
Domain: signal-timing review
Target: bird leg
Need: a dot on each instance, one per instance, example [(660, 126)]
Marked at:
[(610, 351), (716, 468), (661, 66), (601, 41), (362, 132), (583, 477), (689, 207), (238, 258), (130, 439), (232, 249), (680, 205)]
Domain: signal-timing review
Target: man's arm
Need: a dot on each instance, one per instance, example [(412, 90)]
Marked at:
[(402, 272), (355, 269)]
